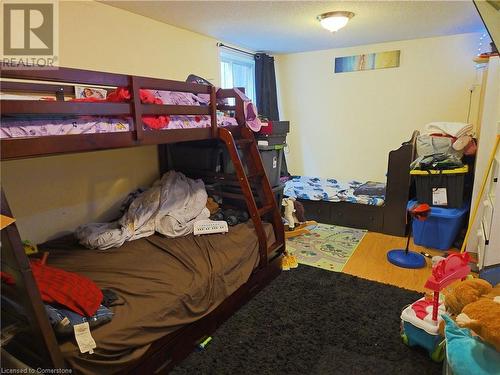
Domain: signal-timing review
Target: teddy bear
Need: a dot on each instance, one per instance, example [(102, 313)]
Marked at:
[(476, 305), (483, 317), (465, 292)]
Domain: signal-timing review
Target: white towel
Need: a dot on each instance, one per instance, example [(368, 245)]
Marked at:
[(455, 129)]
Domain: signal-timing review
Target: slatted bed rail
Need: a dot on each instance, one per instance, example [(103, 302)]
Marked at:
[(60, 83)]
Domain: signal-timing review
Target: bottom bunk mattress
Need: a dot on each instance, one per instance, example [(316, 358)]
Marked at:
[(332, 190), (162, 285)]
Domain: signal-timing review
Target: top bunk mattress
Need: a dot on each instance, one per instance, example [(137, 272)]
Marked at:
[(162, 284), (14, 127), (332, 190)]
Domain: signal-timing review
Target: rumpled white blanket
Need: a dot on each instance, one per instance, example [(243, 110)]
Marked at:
[(171, 207), (455, 129)]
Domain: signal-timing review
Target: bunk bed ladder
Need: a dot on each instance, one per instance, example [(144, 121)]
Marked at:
[(16, 263), (255, 172)]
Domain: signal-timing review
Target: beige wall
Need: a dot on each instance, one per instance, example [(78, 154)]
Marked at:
[(52, 195), (490, 127), (343, 125), (491, 18)]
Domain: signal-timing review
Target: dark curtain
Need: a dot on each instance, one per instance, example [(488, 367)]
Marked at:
[(265, 86)]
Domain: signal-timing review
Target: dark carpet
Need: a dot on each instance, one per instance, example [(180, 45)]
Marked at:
[(312, 321)]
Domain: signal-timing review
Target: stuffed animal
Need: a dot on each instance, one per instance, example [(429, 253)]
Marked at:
[(476, 305), (212, 205), (483, 317), (466, 292)]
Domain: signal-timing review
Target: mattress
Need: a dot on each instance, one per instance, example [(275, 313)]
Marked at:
[(162, 284), (332, 190), (28, 127), (14, 128)]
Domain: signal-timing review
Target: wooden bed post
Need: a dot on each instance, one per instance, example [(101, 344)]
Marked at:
[(213, 112), (137, 107), (26, 293)]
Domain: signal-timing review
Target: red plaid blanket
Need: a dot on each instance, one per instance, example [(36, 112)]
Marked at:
[(77, 293)]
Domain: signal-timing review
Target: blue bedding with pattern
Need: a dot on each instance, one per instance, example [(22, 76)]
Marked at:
[(329, 189)]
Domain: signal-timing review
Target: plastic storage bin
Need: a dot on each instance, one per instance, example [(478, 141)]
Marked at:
[(275, 134), (440, 228), (272, 140), (275, 127), (427, 183), (272, 158)]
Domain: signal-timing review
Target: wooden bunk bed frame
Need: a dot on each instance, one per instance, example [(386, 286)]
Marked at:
[(389, 218), (41, 348)]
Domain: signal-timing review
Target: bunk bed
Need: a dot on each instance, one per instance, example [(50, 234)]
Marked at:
[(258, 259), (384, 214)]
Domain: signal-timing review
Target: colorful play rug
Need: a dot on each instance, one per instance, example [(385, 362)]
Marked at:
[(326, 246)]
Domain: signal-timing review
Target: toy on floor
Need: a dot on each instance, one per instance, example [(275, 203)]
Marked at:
[(202, 344), (475, 304), (420, 320), (289, 261), (297, 225), (295, 220), (29, 248), (301, 229), (403, 257), (294, 212)]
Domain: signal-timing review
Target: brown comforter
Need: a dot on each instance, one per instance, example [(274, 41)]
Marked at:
[(163, 284)]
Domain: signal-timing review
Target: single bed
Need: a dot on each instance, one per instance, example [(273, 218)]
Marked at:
[(372, 205), (163, 283)]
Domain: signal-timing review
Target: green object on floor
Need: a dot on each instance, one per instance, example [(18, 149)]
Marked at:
[(326, 246)]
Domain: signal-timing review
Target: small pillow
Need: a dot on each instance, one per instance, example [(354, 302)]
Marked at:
[(469, 355), (371, 189)]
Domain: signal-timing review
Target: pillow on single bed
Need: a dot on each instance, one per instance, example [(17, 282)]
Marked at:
[(371, 188)]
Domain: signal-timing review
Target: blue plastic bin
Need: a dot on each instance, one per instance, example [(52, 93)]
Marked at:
[(440, 228)]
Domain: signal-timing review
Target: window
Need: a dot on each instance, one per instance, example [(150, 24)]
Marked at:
[(238, 70)]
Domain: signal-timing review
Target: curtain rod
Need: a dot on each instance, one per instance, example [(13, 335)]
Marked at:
[(219, 44)]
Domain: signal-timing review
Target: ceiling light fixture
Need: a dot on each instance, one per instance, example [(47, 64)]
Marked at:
[(334, 21)]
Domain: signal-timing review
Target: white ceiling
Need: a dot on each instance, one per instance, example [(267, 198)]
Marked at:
[(291, 26)]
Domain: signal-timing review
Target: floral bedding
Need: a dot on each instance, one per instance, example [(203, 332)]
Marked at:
[(28, 127)]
